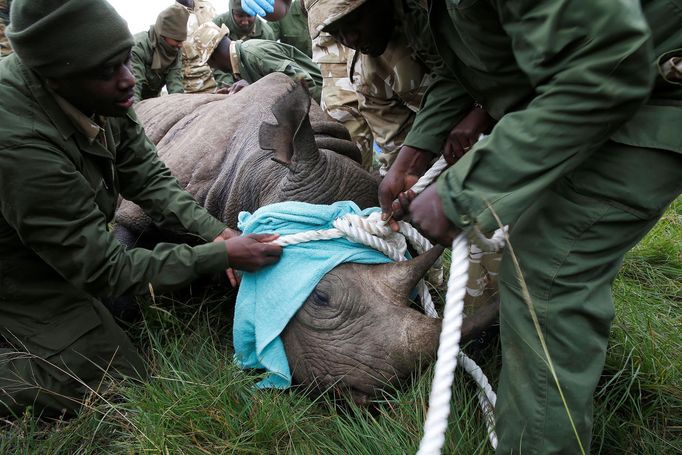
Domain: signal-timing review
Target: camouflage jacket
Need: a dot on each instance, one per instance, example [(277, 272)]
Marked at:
[(148, 82), (405, 94), (258, 58), (197, 78), (292, 29), (390, 89), (261, 29)]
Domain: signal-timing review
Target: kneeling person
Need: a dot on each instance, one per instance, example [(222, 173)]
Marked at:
[(157, 54), (69, 145)]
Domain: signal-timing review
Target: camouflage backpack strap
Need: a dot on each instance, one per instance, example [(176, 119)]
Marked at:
[(234, 61)]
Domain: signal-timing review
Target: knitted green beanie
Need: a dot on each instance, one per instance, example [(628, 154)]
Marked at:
[(57, 38), (236, 5), (172, 22)]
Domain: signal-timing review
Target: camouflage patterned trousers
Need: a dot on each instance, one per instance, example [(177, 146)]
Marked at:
[(339, 99)]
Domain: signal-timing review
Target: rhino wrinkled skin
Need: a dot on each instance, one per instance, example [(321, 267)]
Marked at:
[(357, 331)]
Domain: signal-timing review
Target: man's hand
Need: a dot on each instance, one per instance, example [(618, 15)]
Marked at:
[(238, 248), (428, 216), (230, 272), (234, 88), (252, 251), (466, 133), (410, 164)]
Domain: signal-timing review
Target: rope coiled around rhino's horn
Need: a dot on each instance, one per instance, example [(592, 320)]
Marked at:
[(375, 233)]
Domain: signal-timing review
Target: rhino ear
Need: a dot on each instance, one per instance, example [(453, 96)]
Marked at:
[(292, 135)]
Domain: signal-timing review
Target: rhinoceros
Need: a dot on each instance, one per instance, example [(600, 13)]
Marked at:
[(358, 330)]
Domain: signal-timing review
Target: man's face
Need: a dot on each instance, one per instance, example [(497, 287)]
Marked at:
[(368, 29), (172, 42), (106, 90), (220, 58), (245, 23)]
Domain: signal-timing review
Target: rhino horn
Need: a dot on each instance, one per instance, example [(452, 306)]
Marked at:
[(292, 137), (402, 277)]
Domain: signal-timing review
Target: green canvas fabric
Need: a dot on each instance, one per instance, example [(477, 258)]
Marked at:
[(569, 272), (259, 58)]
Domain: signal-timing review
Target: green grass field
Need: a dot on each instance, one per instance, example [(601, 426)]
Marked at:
[(197, 402)]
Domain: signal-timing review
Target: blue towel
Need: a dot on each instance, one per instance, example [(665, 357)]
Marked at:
[(269, 298)]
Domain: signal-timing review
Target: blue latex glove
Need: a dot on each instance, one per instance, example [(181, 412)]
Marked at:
[(260, 7)]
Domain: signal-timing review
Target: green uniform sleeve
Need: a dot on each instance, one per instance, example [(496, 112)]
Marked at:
[(174, 78), (590, 66), (51, 206), (267, 31), (223, 79), (139, 71), (145, 180), (445, 103), (290, 61), (276, 30)]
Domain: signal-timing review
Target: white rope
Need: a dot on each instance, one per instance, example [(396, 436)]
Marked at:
[(448, 348)]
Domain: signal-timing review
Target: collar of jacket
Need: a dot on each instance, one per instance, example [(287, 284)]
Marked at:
[(46, 101), (84, 124)]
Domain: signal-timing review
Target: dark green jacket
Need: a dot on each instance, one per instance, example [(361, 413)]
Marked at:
[(259, 58), (261, 29), (58, 194), (562, 77), (148, 82), (292, 29), (445, 102)]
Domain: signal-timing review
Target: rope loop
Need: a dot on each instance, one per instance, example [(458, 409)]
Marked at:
[(373, 232)]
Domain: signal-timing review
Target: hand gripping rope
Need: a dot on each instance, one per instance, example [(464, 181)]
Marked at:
[(374, 232)]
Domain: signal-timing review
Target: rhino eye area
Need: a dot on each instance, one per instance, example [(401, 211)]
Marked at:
[(320, 298)]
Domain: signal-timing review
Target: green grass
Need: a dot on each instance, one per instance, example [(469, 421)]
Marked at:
[(198, 402)]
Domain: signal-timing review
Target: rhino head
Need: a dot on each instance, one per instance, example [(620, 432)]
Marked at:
[(357, 331)]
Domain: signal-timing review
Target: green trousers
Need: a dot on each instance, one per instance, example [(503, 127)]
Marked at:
[(570, 245), (63, 361)]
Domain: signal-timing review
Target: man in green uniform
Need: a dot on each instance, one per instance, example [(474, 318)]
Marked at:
[(157, 56), (5, 48), (69, 146), (242, 26), (251, 60), (584, 98), (292, 29)]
